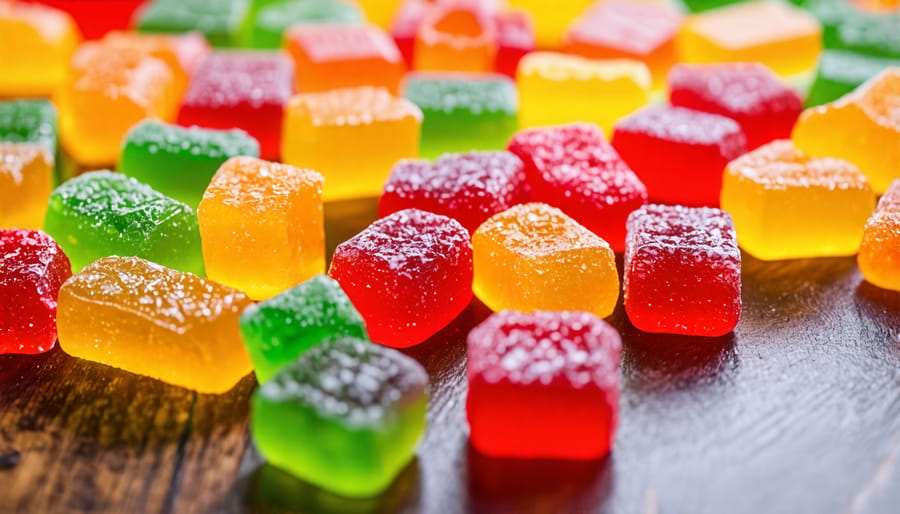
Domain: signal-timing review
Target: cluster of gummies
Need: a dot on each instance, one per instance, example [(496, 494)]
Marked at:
[(503, 171)]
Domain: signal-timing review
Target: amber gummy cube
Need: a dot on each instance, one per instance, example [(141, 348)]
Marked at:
[(879, 253)]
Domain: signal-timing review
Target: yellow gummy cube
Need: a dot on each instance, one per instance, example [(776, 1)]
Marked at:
[(36, 43), (788, 205), (262, 227), (879, 253), (863, 127), (535, 257), (551, 18), (133, 314), (380, 12), (556, 89), (26, 179), (783, 37), (353, 136)]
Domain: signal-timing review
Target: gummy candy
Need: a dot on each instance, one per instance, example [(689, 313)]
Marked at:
[(221, 21), (270, 23), (29, 121), (180, 52), (551, 18), (456, 36), (26, 178), (879, 253), (841, 71)]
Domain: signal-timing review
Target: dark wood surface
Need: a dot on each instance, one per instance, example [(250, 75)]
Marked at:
[(798, 411)]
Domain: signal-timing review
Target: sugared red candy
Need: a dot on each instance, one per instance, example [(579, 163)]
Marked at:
[(346, 416), (682, 271), (32, 268), (100, 213), (409, 274), (463, 111), (456, 36), (221, 21), (26, 178), (788, 205), (144, 318), (245, 90), (543, 385), (97, 17), (748, 93), (352, 136), (777, 34), (863, 127), (534, 257), (468, 187), (557, 88), (515, 39), (261, 224), (341, 56), (679, 153), (573, 168), (281, 328), (879, 253)]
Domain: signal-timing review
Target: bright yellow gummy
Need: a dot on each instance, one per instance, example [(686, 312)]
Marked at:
[(788, 205), (785, 38), (534, 257), (556, 89), (133, 314), (353, 136), (863, 127), (551, 18), (262, 227), (36, 43), (26, 179)]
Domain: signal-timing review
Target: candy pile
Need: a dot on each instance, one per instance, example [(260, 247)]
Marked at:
[(516, 147)]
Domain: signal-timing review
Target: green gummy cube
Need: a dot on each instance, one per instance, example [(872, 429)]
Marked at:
[(102, 213), (272, 20), (281, 328), (180, 162), (706, 5), (463, 112), (841, 71), (346, 416), (29, 121), (869, 33), (221, 21)]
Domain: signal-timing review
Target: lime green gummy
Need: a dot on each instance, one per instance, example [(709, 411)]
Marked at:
[(272, 20), (102, 213), (346, 416), (178, 161), (281, 328), (463, 113), (841, 71), (221, 21), (29, 121)]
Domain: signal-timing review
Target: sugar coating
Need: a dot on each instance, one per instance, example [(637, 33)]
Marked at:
[(331, 43), (456, 36), (515, 39), (353, 380), (543, 346), (29, 121), (155, 137), (272, 20), (448, 93), (687, 126), (219, 20), (469, 187), (842, 71), (225, 79), (521, 229), (254, 184), (624, 28), (353, 106), (26, 178), (879, 253), (780, 165)]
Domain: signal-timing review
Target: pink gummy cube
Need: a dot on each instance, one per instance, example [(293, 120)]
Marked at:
[(682, 271)]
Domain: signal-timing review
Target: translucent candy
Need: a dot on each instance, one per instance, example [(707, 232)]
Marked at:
[(456, 36), (29, 121), (272, 20), (842, 71), (26, 178), (221, 21), (879, 253)]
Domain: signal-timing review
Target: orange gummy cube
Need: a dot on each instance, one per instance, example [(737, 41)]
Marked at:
[(784, 38), (180, 52), (26, 179), (459, 37), (261, 225), (535, 257), (863, 127), (36, 43), (352, 136), (879, 253), (108, 91), (340, 56)]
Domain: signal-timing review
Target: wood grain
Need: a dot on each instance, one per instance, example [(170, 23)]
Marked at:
[(798, 411)]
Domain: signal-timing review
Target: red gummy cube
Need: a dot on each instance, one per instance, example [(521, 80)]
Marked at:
[(515, 38), (543, 385), (573, 168), (97, 17), (469, 187), (245, 90), (748, 93), (679, 154), (32, 268), (409, 275), (682, 271)]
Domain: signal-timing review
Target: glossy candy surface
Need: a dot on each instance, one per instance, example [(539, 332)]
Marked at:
[(101, 213), (32, 268), (682, 271), (261, 224), (409, 274), (789, 205), (879, 253), (573, 168), (543, 385), (534, 257), (26, 178), (679, 153), (130, 313), (365, 404), (180, 52)]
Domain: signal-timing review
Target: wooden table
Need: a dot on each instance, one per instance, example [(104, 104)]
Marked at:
[(797, 412)]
